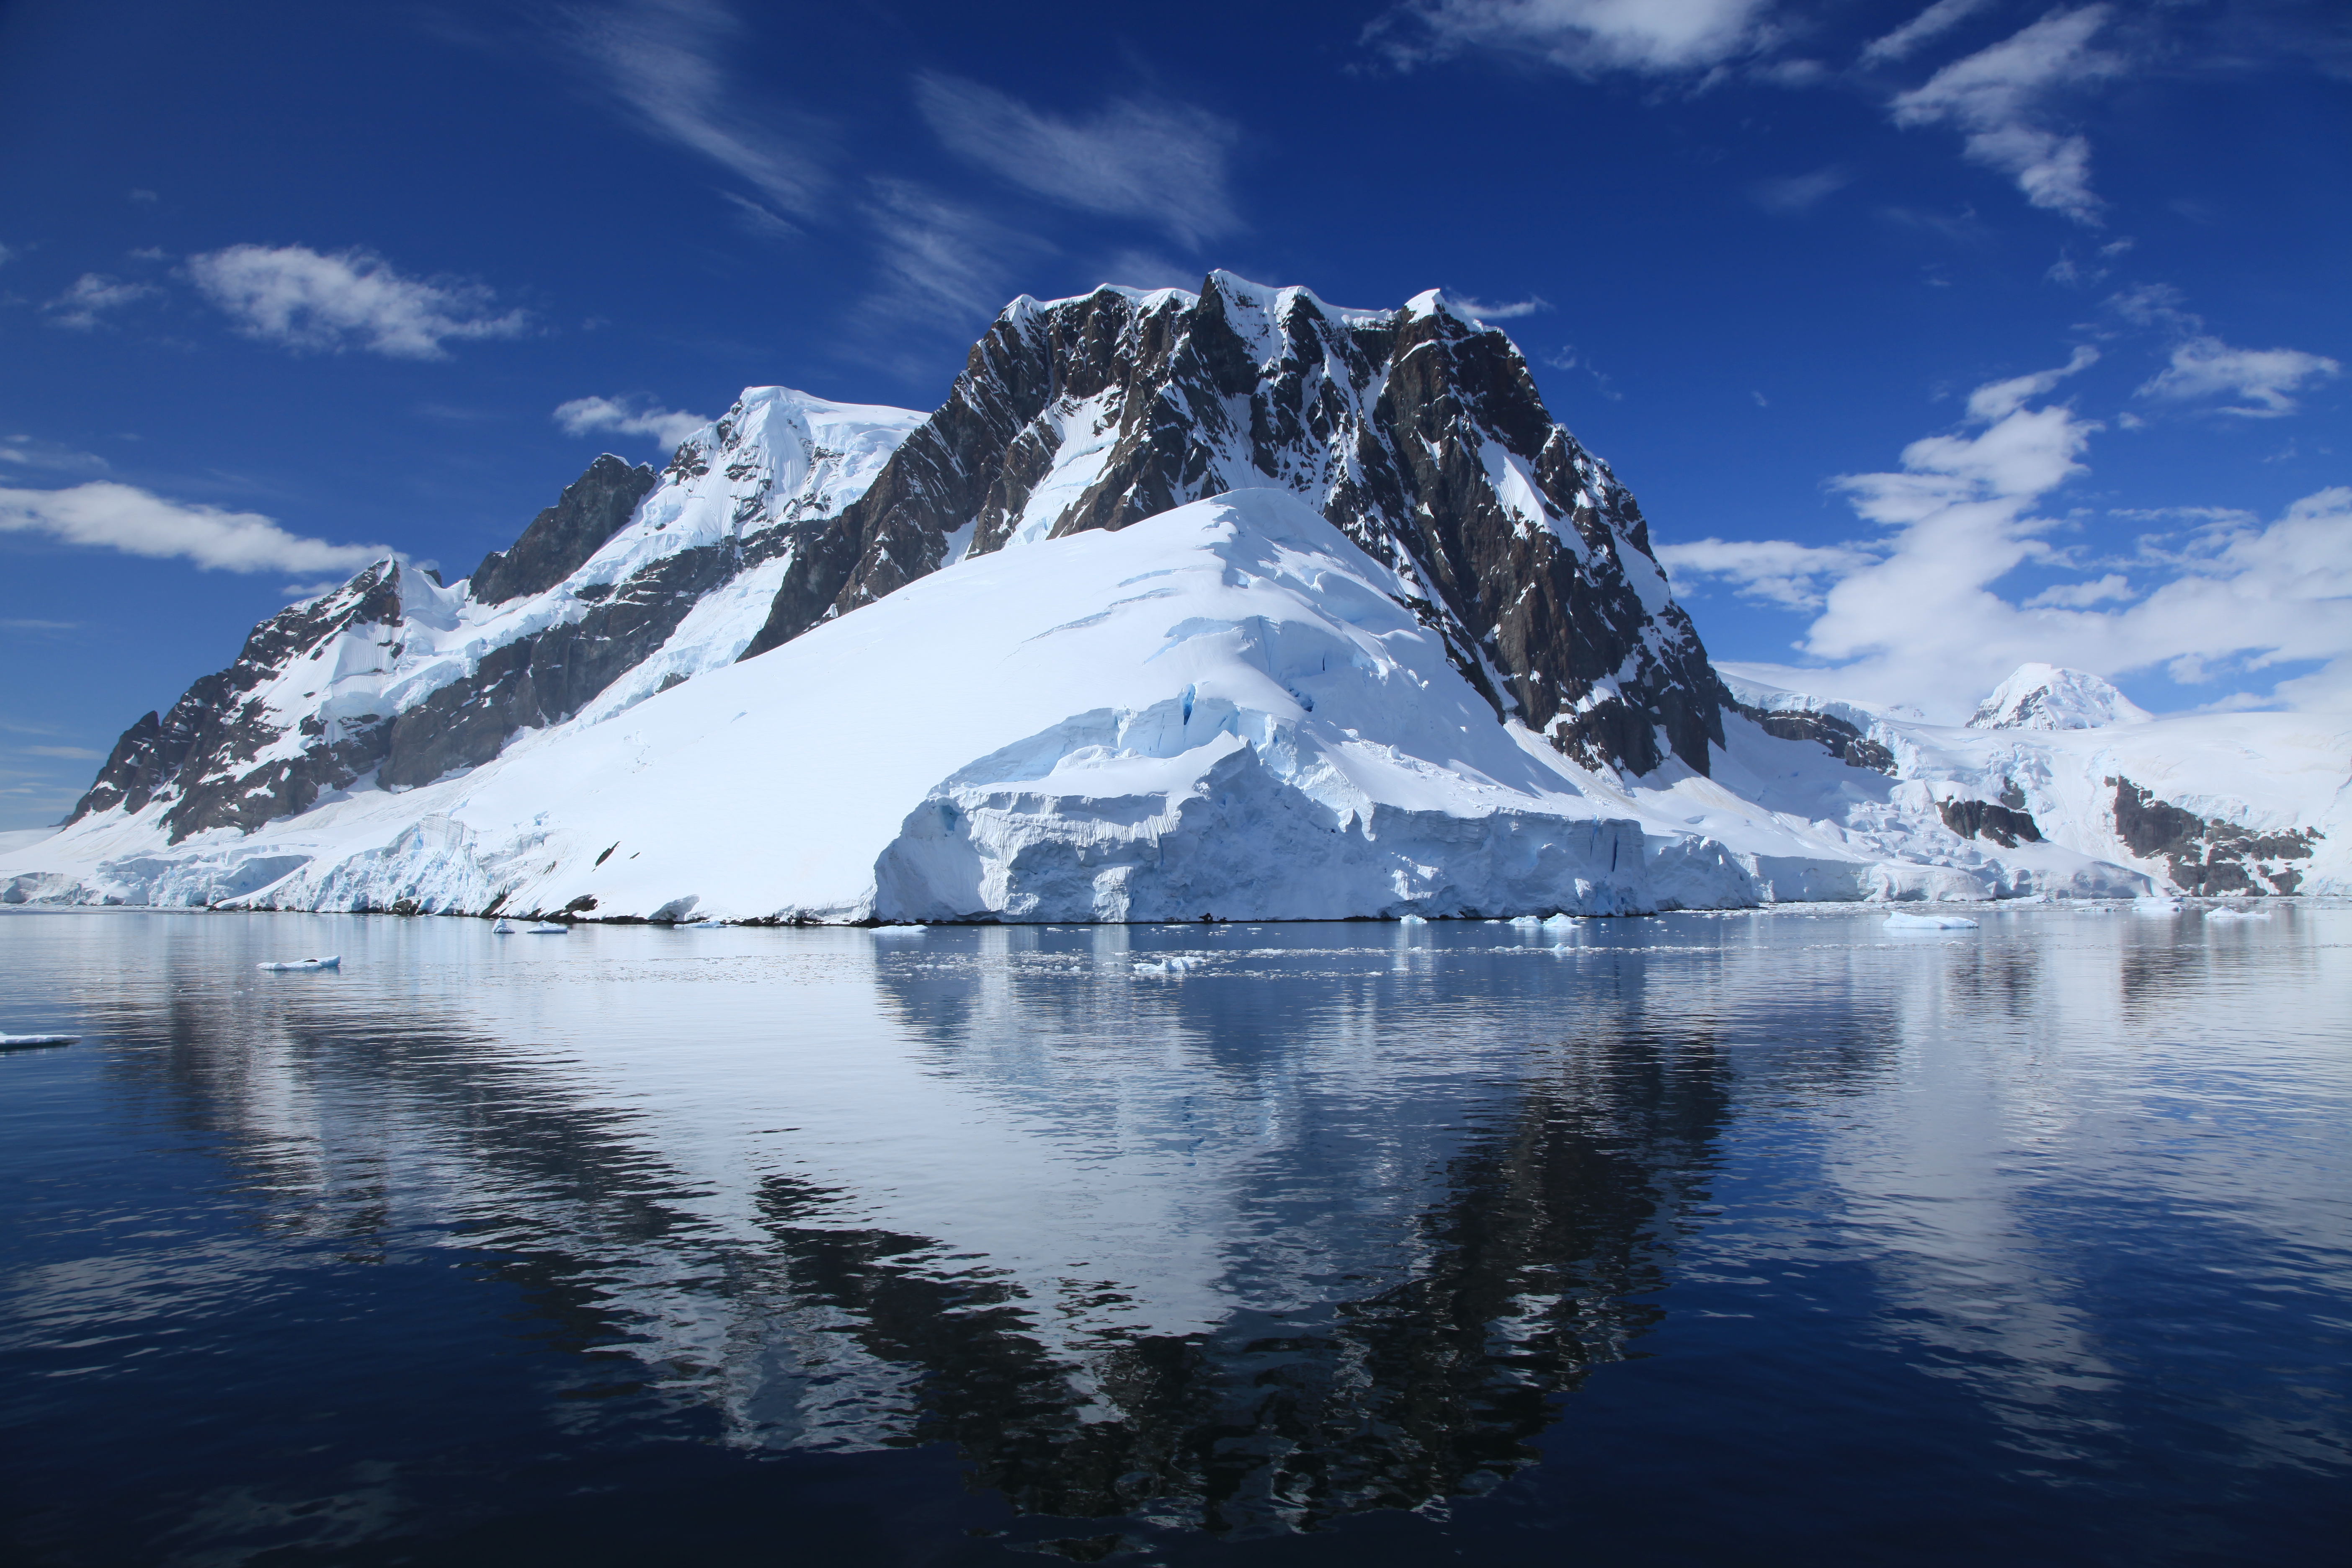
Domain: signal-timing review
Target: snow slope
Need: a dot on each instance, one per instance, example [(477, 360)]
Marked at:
[(2219, 804), (1217, 711)]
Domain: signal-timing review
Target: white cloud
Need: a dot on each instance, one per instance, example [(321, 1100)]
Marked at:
[(661, 58), (121, 517), (32, 452), (75, 754), (2261, 379), (1933, 23), (1997, 95), (1147, 269), (1164, 163), (666, 426), (1922, 620), (2080, 595), (1510, 311), (1586, 37), (1798, 192), (294, 296), (1773, 570), (92, 294), (942, 262)]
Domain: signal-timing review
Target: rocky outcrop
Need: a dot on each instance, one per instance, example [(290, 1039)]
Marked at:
[(226, 751), (1834, 735), (1418, 432), (2000, 824), (593, 509), (2207, 855)]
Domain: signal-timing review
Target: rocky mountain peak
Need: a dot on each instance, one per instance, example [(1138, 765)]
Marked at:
[(1418, 431)]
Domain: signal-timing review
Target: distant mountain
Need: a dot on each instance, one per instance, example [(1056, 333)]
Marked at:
[(1231, 604), (2049, 697)]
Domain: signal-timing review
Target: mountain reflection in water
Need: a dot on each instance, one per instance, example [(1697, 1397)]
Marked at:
[(1339, 1221)]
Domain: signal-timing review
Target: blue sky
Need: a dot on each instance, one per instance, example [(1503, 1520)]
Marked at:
[(1932, 338)]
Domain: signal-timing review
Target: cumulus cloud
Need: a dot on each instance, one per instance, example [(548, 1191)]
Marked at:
[(92, 295), (1587, 37), (111, 516), (296, 296), (1922, 619), (668, 426), (1161, 163), (1773, 570), (2260, 379), (1933, 23), (1999, 96), (662, 59)]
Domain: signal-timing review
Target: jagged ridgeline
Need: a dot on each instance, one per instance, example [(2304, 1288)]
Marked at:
[(1417, 431)]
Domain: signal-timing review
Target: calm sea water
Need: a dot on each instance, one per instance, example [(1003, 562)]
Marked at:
[(1758, 1238)]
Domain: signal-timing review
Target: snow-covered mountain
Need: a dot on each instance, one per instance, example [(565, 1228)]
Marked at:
[(1229, 603), (2051, 697)]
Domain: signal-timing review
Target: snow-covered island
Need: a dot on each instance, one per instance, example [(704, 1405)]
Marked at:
[(1231, 605)]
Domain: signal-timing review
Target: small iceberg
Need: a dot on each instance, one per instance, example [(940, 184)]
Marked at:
[(1561, 921), (1930, 922), (2157, 906), (29, 1042), (504, 928), (302, 965), (900, 930), (546, 928), (1174, 963), (1405, 920), (2237, 914), (707, 925)]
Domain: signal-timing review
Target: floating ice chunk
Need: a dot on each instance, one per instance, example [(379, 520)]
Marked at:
[(19, 1042), (1930, 922), (1561, 921), (900, 930), (2237, 914), (1174, 963), (2157, 906), (300, 965), (707, 925), (1527, 922), (504, 928), (1413, 919), (546, 928)]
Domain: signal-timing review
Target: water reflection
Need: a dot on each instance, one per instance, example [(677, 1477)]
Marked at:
[(1338, 1220)]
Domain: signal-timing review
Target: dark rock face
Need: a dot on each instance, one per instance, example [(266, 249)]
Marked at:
[(1413, 431), (559, 541), (2207, 855), (1983, 819), (231, 753), (1832, 734)]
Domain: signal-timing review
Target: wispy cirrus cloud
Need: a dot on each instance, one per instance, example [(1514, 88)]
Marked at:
[(1151, 159), (91, 298), (942, 262), (1492, 311), (105, 515), (662, 60), (1799, 192), (1586, 37), (1930, 24), (582, 415), (301, 299), (1999, 98)]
